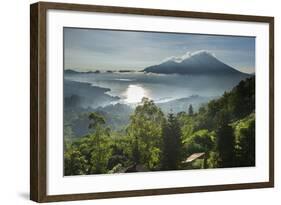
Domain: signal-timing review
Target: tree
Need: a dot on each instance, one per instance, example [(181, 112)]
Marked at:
[(225, 142), (74, 162), (119, 145), (89, 154), (172, 146), (186, 123), (145, 131), (245, 141), (96, 121), (99, 144), (190, 110)]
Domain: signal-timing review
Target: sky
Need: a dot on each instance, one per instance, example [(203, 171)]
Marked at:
[(96, 49)]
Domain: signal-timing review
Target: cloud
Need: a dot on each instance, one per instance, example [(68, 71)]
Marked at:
[(203, 51), (179, 59)]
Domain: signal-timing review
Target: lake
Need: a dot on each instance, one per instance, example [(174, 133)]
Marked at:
[(131, 87)]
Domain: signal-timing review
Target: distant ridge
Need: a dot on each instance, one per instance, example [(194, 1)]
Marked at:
[(70, 71), (198, 63)]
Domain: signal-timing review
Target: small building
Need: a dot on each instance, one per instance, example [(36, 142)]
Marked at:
[(196, 160)]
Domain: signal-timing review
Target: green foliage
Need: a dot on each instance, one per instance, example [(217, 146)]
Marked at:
[(116, 169), (200, 141), (244, 131), (119, 150), (234, 140), (74, 162), (237, 103), (145, 132), (213, 159), (92, 151), (96, 120), (187, 125)]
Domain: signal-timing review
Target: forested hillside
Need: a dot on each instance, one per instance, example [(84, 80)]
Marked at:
[(222, 131)]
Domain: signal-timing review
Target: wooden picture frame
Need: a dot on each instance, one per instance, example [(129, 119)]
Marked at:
[(38, 100)]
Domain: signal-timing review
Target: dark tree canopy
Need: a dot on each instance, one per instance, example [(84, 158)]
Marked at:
[(225, 145), (172, 144)]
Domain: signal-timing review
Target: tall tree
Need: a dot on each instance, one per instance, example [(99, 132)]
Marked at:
[(225, 142), (245, 141), (172, 146), (99, 145), (145, 131), (190, 110)]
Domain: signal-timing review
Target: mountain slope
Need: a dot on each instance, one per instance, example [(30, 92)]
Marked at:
[(197, 64), (182, 104)]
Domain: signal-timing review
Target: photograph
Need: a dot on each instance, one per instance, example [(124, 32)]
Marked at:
[(143, 101)]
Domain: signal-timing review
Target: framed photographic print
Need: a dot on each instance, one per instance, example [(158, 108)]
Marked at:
[(134, 102)]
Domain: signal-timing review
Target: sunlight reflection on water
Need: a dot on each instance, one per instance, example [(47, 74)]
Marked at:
[(135, 93)]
